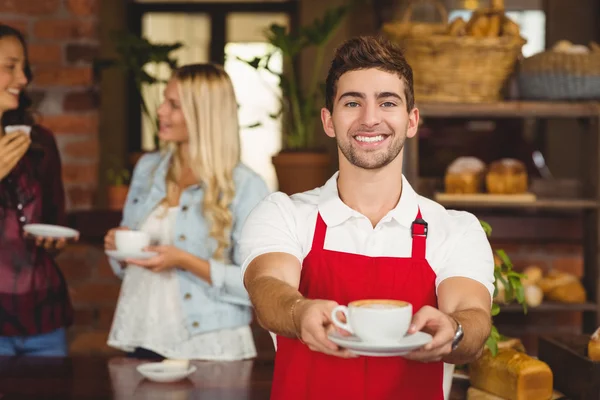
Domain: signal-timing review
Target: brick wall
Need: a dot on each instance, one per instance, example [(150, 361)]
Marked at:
[(63, 39)]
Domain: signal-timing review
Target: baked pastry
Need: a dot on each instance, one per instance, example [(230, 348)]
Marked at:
[(465, 175), (562, 287), (506, 176), (533, 295), (594, 346), (511, 343), (513, 375), (533, 275)]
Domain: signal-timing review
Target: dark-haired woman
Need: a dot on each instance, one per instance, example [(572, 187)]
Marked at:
[(34, 301)]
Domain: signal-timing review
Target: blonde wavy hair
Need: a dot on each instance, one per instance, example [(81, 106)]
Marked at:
[(210, 110)]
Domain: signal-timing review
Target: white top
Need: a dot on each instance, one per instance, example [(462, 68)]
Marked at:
[(149, 313), (457, 245)]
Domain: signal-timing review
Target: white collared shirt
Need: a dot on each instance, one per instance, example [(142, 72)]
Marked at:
[(456, 246)]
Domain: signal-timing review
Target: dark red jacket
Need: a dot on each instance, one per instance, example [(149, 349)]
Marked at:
[(33, 293)]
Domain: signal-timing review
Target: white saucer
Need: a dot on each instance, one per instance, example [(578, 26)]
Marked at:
[(381, 349), (50, 231), (123, 255), (159, 372)]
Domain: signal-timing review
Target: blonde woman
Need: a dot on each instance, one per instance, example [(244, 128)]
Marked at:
[(188, 301)]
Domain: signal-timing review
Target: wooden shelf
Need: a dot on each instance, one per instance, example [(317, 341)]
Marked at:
[(561, 204), (549, 307), (511, 109)]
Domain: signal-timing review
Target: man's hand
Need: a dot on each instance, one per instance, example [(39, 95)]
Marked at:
[(12, 148), (168, 257), (313, 319), (441, 326)]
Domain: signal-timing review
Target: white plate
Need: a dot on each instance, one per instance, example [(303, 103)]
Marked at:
[(50, 231), (379, 349), (123, 255), (159, 372)]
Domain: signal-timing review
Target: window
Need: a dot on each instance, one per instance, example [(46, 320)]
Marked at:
[(223, 33)]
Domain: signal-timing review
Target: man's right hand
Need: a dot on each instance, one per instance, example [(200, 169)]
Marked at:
[(313, 320), (12, 148), (109, 239)]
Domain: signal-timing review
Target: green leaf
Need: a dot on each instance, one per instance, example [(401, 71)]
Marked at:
[(492, 341), (504, 258), (487, 228), (495, 309)]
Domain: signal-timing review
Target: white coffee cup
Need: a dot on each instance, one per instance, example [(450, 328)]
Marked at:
[(131, 241), (375, 320)]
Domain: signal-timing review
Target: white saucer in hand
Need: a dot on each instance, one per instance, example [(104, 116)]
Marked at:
[(124, 255), (164, 373), (50, 231), (381, 349)]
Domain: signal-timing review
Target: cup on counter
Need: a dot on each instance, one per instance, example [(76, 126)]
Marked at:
[(131, 241), (375, 320)]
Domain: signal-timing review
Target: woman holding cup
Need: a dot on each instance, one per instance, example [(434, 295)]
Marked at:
[(182, 297), (34, 302)]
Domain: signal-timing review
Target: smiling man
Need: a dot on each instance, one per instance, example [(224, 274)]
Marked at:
[(366, 234)]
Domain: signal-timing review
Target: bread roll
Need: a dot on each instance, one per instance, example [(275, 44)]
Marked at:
[(594, 346), (465, 175), (533, 295), (494, 28), (510, 28), (512, 375), (478, 26), (512, 343), (562, 287), (533, 275), (497, 4), (506, 176), (458, 27)]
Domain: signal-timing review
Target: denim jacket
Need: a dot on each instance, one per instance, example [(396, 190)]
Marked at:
[(206, 307)]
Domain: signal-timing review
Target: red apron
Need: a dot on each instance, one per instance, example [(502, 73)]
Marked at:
[(302, 374)]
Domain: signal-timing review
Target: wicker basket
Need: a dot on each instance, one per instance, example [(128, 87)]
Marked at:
[(458, 69), (555, 75)]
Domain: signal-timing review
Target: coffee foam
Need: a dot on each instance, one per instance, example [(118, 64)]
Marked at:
[(379, 304)]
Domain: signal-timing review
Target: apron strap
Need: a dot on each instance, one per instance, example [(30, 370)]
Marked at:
[(320, 231), (419, 232)]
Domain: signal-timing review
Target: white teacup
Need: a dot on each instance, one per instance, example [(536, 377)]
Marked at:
[(131, 241), (375, 320)]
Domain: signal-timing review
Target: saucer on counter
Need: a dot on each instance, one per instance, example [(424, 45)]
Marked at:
[(165, 373)]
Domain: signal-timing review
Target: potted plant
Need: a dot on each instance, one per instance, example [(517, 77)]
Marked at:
[(512, 286), (139, 58), (117, 187), (510, 282), (301, 164)]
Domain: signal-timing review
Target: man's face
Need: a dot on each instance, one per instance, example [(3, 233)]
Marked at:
[(370, 121)]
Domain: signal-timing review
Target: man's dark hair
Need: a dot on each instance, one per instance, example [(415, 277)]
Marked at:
[(366, 52)]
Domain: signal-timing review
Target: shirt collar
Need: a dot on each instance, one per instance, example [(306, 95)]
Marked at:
[(334, 211)]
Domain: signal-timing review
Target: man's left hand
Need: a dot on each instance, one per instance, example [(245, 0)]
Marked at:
[(441, 326), (168, 257)]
